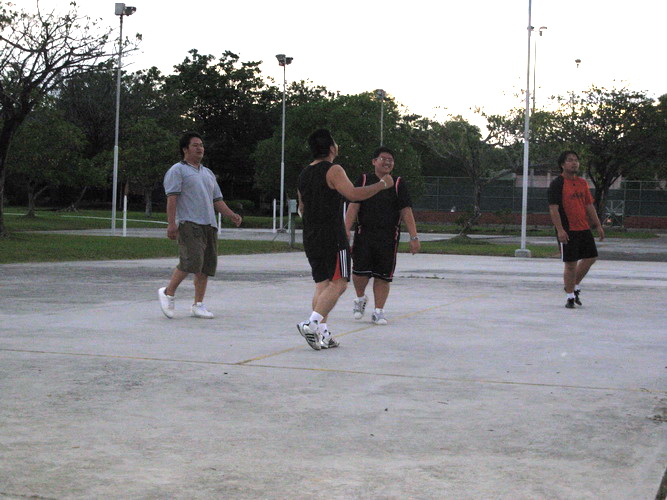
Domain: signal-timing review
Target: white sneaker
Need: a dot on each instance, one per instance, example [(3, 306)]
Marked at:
[(378, 317), (359, 307), (166, 302), (310, 332), (328, 342), (199, 310)]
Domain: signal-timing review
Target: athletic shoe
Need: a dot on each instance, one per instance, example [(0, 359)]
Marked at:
[(199, 310), (359, 307), (166, 302), (378, 318), (570, 304), (310, 333), (576, 297), (328, 342)]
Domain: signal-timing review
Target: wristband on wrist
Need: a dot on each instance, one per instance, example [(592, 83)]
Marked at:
[(383, 182), (414, 238)]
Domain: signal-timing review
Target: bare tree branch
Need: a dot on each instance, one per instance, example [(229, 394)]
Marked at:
[(38, 52)]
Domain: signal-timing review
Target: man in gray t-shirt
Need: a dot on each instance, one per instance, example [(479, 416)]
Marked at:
[(193, 198)]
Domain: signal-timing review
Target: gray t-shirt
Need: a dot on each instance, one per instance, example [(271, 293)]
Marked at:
[(197, 191)]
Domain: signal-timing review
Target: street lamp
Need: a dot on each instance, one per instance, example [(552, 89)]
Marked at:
[(381, 94), (121, 10), (542, 28), (523, 251), (283, 61)]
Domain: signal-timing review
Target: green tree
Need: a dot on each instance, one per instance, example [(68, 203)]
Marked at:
[(231, 105), (88, 100), (506, 132), (614, 129), (462, 143), (148, 151), (661, 138), (37, 53), (655, 168), (45, 154), (145, 96), (354, 122)]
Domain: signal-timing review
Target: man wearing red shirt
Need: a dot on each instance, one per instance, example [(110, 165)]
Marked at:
[(572, 213)]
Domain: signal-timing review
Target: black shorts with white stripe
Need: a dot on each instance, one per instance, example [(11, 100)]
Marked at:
[(580, 245), (331, 265)]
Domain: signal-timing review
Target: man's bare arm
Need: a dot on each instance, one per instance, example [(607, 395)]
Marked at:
[(222, 208), (594, 220), (300, 206), (555, 220), (408, 217), (337, 179), (172, 228), (351, 217)]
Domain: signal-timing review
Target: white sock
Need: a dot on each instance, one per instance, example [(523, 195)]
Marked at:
[(379, 310), (316, 317), (577, 288), (324, 330), (361, 299), (570, 295)]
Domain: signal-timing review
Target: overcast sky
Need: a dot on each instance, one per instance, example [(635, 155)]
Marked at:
[(434, 57)]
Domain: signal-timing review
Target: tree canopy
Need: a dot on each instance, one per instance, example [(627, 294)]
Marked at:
[(57, 67), (38, 52)]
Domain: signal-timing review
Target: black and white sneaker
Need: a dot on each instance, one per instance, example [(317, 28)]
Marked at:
[(309, 332), (570, 304), (576, 297), (328, 342), (359, 307)]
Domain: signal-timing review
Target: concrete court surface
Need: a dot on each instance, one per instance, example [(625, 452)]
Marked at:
[(482, 385)]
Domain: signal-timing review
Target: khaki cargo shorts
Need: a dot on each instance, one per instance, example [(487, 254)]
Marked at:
[(197, 248)]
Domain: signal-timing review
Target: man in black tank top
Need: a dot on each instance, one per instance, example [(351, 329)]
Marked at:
[(322, 189), (377, 235)]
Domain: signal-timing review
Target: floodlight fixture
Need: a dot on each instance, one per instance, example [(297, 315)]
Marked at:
[(283, 60), (123, 10)]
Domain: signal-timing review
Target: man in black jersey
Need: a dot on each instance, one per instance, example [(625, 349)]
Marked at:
[(322, 186), (377, 234)]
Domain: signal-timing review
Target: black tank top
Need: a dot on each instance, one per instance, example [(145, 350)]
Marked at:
[(323, 222)]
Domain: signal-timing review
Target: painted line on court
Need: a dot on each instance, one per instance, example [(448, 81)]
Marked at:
[(363, 328), (346, 372)]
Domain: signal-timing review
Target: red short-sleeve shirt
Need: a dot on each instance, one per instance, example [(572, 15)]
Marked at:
[(576, 197)]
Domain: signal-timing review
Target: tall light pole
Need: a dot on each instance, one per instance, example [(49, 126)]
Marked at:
[(121, 10), (283, 61), (542, 28), (523, 251), (381, 94)]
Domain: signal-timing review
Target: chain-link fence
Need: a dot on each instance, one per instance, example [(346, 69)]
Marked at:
[(452, 194)]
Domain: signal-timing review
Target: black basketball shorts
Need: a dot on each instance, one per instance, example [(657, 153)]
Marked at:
[(581, 245)]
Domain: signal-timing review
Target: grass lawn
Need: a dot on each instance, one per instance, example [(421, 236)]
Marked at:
[(36, 247), (32, 247), (50, 220), (459, 246), (24, 245)]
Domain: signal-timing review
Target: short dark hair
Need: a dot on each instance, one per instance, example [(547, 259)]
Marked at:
[(382, 149), (563, 156), (184, 141), (320, 141)]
